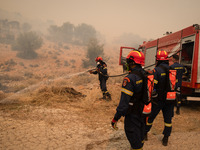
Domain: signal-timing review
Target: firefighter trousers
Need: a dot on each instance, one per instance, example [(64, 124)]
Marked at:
[(134, 128), (103, 85), (168, 113), (178, 99)]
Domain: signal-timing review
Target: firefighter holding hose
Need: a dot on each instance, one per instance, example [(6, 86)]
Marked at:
[(101, 70)]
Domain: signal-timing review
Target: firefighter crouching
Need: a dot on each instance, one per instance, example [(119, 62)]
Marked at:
[(101, 70), (160, 101), (180, 71), (131, 102)]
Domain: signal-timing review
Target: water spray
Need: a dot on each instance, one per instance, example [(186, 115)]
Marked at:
[(12, 98)]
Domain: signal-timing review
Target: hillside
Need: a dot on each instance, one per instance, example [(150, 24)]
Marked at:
[(52, 103)]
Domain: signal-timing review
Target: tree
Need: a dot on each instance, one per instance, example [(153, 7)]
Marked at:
[(83, 33), (64, 33), (26, 27), (67, 31), (94, 49), (26, 44)]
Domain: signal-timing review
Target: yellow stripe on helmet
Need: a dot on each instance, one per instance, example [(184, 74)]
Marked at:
[(136, 52), (139, 53)]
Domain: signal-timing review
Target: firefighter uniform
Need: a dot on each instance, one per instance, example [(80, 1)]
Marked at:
[(160, 103), (103, 77), (180, 71), (131, 106)]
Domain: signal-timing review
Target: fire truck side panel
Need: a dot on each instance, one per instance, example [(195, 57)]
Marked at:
[(151, 43), (188, 31), (198, 74), (196, 62), (172, 39)]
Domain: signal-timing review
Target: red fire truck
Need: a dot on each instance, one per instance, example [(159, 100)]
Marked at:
[(186, 44)]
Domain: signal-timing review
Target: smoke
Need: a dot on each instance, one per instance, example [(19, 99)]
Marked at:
[(129, 40)]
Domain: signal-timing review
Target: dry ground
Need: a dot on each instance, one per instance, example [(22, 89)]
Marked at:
[(60, 109)]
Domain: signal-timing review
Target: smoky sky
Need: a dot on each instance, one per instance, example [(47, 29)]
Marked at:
[(145, 18)]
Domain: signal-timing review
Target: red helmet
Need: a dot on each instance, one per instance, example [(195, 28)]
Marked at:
[(136, 56), (162, 55), (98, 59)]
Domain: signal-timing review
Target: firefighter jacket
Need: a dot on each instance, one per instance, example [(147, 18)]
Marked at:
[(102, 71), (131, 94), (160, 81), (180, 70)]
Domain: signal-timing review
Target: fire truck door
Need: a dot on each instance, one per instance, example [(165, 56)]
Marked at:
[(187, 55), (150, 58)]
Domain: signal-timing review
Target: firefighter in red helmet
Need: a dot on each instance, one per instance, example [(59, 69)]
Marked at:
[(159, 96), (101, 70), (131, 102), (181, 70)]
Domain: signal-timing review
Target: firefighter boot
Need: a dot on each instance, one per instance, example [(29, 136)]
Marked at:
[(104, 96), (165, 140), (109, 96)]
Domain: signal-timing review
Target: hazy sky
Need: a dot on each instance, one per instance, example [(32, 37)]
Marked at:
[(146, 18)]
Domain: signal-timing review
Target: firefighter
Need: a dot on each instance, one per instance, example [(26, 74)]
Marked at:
[(101, 70), (131, 103), (180, 71), (159, 97)]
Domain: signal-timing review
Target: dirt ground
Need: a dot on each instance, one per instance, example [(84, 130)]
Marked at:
[(83, 122), (47, 107)]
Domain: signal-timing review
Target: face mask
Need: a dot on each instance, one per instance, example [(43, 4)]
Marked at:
[(127, 66)]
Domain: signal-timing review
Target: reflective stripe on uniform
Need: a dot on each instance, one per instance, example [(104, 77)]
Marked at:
[(130, 104), (185, 71), (163, 74), (168, 124), (127, 92), (138, 82), (149, 124), (155, 81)]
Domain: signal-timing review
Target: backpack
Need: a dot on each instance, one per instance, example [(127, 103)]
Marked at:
[(171, 95), (149, 85), (147, 90), (170, 83)]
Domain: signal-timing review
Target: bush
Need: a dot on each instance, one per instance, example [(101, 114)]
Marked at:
[(94, 49), (26, 44)]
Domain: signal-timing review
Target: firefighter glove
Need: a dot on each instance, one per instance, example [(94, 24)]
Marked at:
[(114, 124)]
